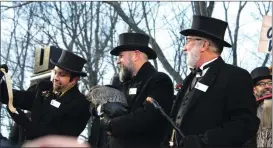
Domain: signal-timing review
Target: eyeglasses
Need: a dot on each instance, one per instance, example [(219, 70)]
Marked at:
[(263, 84), (189, 39)]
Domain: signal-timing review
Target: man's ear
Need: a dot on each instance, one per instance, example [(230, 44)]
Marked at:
[(137, 55), (76, 79), (254, 90), (205, 46)]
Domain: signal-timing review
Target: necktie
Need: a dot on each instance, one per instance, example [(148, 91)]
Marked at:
[(196, 71)]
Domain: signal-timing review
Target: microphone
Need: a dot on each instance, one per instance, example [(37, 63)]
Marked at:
[(157, 106)]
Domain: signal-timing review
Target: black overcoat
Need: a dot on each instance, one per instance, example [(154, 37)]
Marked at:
[(144, 126), (70, 118), (224, 114)]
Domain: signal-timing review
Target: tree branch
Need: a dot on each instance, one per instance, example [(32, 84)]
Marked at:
[(157, 49)]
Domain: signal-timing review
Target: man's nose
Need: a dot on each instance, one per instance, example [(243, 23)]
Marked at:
[(56, 77), (185, 48), (118, 61)]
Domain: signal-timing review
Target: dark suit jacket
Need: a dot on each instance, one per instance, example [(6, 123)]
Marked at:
[(226, 113), (70, 118), (144, 126)]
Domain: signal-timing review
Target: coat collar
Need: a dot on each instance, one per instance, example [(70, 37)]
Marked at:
[(144, 72), (208, 79), (69, 95)]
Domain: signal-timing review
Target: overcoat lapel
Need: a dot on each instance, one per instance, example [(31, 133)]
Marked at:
[(181, 93), (55, 112), (208, 79)]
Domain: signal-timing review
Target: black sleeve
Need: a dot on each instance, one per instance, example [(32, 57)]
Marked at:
[(72, 123), (146, 118), (21, 99)]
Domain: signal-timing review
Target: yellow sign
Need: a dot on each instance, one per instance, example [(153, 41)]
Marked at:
[(265, 44)]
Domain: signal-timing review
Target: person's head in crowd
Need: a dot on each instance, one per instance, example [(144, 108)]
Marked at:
[(67, 70), (262, 89), (132, 53), (262, 81), (205, 40)]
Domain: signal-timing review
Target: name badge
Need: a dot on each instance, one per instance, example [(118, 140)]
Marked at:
[(132, 91), (201, 87), (55, 103)]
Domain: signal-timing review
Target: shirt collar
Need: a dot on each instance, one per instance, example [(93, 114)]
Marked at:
[(206, 63)]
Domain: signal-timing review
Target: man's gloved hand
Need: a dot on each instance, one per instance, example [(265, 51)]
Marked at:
[(4, 66), (20, 118), (114, 109), (192, 141), (3, 92), (105, 122), (93, 110), (1, 74)]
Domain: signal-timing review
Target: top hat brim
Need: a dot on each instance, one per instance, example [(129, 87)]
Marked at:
[(79, 73), (200, 33), (145, 49), (255, 80)]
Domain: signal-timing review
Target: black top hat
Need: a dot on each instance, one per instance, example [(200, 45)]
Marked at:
[(134, 41), (70, 62), (260, 73), (208, 27)]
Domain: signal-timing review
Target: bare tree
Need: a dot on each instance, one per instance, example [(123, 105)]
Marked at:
[(19, 46), (153, 42), (201, 8), (15, 5), (234, 38), (179, 22), (148, 26)]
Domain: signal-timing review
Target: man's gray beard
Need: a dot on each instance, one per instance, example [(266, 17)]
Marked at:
[(193, 57), (125, 74), (265, 113)]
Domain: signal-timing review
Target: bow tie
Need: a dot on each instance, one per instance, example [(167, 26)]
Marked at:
[(196, 71)]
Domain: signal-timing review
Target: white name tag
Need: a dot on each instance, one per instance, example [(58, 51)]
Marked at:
[(201, 87), (55, 103), (132, 91)]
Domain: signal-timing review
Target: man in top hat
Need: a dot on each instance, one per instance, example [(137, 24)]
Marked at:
[(57, 107), (262, 88), (142, 125), (216, 105)]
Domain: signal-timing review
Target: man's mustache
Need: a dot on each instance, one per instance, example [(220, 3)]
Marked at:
[(267, 89)]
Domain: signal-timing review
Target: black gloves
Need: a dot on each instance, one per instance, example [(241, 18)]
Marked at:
[(93, 110), (6, 69), (105, 123), (114, 109), (111, 110), (3, 86), (4, 92), (192, 141), (20, 118)]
